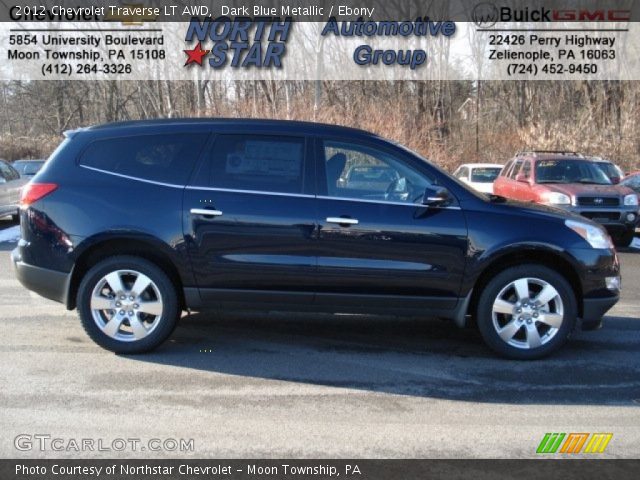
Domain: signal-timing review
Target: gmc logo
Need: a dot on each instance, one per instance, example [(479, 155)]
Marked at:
[(591, 15)]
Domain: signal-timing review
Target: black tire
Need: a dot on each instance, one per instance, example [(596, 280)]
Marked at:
[(624, 239), (167, 321), (486, 321), (15, 217)]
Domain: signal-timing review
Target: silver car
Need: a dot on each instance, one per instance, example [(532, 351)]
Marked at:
[(10, 185)]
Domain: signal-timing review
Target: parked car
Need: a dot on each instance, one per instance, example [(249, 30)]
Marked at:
[(632, 181), (479, 176), (28, 168), (574, 183), (610, 169), (10, 185), (133, 222), (368, 177)]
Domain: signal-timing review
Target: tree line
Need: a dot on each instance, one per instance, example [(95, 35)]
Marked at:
[(451, 122)]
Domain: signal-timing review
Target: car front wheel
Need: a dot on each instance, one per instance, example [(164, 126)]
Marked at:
[(624, 239), (526, 312), (127, 304)]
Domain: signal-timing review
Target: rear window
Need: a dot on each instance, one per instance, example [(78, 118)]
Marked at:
[(160, 158), (485, 174), (257, 162)]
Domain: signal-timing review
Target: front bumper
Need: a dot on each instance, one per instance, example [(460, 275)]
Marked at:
[(612, 218), (47, 283), (595, 308)]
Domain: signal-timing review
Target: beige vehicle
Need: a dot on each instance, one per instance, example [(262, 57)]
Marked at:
[(10, 185)]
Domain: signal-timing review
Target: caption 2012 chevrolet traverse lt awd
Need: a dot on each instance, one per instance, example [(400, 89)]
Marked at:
[(131, 223)]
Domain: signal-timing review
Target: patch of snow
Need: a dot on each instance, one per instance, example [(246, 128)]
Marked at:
[(11, 234)]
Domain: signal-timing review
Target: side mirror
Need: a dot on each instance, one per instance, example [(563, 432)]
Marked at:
[(521, 178), (436, 196)]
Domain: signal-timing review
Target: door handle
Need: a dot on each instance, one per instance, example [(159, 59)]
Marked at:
[(206, 212), (342, 221)]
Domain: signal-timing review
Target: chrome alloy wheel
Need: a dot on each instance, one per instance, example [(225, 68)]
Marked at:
[(126, 305), (527, 313)]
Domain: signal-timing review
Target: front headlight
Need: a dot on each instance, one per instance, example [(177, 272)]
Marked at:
[(595, 236), (556, 198), (631, 200)]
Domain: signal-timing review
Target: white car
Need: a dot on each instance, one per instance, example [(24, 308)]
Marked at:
[(479, 176)]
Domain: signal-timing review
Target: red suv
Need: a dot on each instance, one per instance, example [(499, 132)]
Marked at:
[(572, 182)]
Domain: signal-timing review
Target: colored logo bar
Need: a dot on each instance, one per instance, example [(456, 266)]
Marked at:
[(573, 443)]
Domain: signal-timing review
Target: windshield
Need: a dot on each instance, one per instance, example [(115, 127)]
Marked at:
[(371, 174), (485, 174), (570, 171)]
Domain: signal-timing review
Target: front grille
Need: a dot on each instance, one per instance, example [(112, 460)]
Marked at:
[(598, 201), (602, 216)]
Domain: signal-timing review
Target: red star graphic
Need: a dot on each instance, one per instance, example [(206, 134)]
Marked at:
[(195, 55)]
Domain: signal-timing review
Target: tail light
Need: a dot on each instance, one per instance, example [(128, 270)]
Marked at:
[(32, 192)]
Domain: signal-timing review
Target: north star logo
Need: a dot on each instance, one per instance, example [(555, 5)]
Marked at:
[(195, 55), (242, 42)]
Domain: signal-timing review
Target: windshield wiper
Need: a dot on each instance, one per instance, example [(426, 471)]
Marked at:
[(591, 182)]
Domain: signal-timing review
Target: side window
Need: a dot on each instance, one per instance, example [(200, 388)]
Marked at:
[(526, 170), (8, 172), (361, 172), (515, 169), (258, 162), (160, 158), (463, 172), (14, 173), (505, 170)]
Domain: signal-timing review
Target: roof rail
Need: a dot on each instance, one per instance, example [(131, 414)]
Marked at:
[(556, 152)]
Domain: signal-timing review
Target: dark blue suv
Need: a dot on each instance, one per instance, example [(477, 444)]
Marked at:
[(132, 223)]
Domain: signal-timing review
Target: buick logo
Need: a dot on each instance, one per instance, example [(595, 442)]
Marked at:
[(598, 201), (485, 15)]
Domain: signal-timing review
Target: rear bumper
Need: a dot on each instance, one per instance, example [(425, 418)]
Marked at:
[(50, 284)]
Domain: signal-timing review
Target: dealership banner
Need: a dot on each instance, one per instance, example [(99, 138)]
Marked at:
[(314, 469), (322, 40)]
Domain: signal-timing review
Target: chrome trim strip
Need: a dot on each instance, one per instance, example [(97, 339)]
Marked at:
[(206, 212), (342, 221), (144, 180), (261, 192), (254, 192), (385, 202)]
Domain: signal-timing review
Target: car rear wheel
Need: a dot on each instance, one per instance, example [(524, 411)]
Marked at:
[(127, 304), (526, 312)]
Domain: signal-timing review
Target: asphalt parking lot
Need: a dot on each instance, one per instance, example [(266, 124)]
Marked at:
[(279, 386)]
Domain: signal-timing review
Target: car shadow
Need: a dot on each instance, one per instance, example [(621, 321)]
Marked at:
[(416, 357)]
